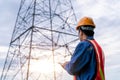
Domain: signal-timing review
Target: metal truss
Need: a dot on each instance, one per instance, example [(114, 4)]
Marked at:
[(44, 30)]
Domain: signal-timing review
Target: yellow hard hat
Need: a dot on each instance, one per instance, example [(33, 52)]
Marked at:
[(85, 21)]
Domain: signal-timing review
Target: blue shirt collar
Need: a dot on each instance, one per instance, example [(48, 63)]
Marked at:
[(90, 37)]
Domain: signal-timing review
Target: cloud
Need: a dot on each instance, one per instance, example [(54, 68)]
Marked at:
[(112, 67), (3, 51), (8, 14), (97, 9), (108, 42)]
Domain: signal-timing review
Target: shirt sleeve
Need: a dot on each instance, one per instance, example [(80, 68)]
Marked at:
[(80, 58)]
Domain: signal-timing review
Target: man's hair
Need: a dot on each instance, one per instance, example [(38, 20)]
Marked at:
[(87, 32)]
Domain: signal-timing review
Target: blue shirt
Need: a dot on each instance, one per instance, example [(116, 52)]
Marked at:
[(83, 61)]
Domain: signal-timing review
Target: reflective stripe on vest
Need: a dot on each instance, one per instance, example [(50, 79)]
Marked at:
[(100, 61)]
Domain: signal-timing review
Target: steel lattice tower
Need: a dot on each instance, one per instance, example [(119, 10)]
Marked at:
[(44, 30)]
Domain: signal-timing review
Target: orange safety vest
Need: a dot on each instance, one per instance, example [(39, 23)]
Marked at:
[(100, 58)]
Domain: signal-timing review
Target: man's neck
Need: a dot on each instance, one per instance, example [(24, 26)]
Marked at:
[(84, 37)]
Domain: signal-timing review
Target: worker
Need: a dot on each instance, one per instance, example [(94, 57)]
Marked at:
[(87, 61)]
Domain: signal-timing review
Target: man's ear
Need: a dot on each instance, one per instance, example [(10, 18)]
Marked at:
[(81, 33)]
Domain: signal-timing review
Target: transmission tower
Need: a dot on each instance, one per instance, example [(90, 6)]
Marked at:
[(44, 30)]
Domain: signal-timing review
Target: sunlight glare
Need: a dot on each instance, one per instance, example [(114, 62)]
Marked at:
[(44, 66)]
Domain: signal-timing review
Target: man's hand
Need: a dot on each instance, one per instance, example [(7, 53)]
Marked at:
[(63, 64)]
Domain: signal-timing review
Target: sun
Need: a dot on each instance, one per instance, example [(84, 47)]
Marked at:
[(44, 66)]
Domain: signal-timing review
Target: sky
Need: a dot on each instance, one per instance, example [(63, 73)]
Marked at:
[(106, 17)]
